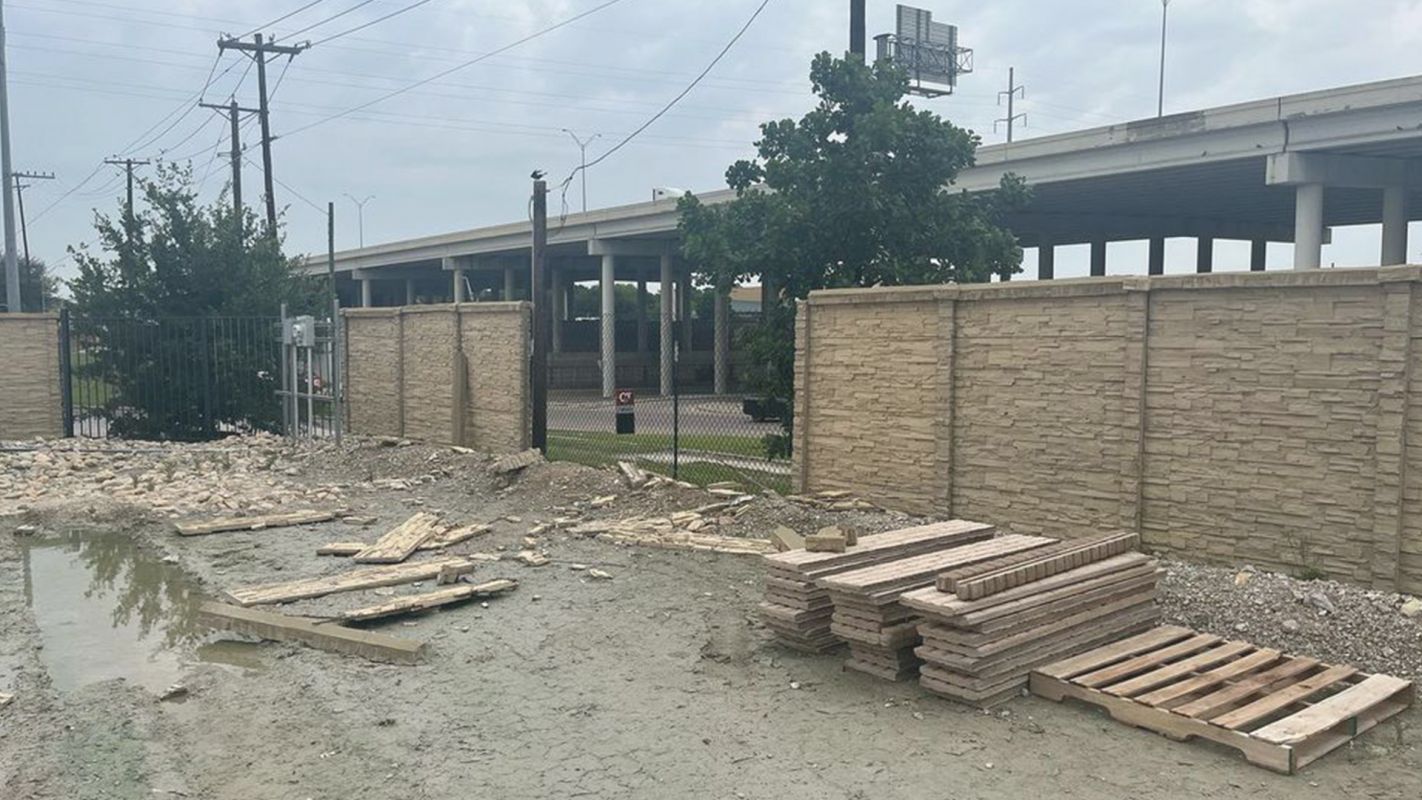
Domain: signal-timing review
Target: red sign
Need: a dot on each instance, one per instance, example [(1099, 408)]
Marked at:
[(625, 397)]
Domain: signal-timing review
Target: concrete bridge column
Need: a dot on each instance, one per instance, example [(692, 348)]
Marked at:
[(609, 326), (1394, 226), (666, 324), (510, 283), (1308, 226), (409, 291), (1155, 263), (459, 295), (641, 312), (366, 291), (560, 307), (1204, 254), (1046, 261), (1098, 257)]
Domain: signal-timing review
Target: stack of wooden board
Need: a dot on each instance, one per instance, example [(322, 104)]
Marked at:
[(881, 632), (1281, 711), (1042, 606), (798, 611)]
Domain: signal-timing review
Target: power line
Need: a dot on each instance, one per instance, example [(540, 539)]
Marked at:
[(281, 18), (684, 92), (458, 67), (335, 16), (375, 21)]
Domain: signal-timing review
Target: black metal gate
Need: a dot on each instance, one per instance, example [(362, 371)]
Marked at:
[(170, 378)]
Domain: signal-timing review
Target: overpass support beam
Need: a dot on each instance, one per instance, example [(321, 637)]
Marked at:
[(1204, 254), (665, 339), (1394, 226), (609, 325), (641, 312), (366, 292), (1046, 261), (409, 291), (1308, 226), (510, 283), (1155, 262), (722, 323), (459, 295), (1098, 257)]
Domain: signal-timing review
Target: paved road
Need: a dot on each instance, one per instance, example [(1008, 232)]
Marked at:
[(700, 414)]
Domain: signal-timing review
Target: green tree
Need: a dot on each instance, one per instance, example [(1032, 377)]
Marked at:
[(147, 305), (39, 290), (857, 192)]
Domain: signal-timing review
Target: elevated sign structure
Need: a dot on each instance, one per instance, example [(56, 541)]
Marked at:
[(927, 50)]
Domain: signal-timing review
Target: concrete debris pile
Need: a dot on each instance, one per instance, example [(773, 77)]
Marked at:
[(987, 626), (833, 500), (682, 530), (251, 474), (799, 610)]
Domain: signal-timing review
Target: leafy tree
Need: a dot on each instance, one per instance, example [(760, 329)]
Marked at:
[(858, 192), (39, 290), (148, 305)]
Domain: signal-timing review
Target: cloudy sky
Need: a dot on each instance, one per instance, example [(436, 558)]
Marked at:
[(91, 79)]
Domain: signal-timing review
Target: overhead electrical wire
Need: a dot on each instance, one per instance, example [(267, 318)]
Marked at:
[(375, 21), (458, 67), (282, 18), (337, 15)]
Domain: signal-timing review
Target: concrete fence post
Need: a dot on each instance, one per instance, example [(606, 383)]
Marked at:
[(1390, 451), (800, 434), (944, 374), (1135, 367)]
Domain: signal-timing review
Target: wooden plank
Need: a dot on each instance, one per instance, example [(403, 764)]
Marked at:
[(1348, 704), (947, 605), (1004, 624), (1279, 700), (1092, 614), (346, 549), (1212, 704), (370, 578), (454, 536), (1170, 672), (283, 628), (1131, 666), (429, 600), (1026, 659), (1016, 609), (1086, 662), (6, 699), (1075, 557), (222, 524), (402, 541), (948, 581), (1173, 694), (922, 569), (874, 546)]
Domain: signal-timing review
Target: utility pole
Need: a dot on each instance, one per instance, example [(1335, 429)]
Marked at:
[(233, 111), (12, 259), (1164, 16), (1011, 94), (360, 215), (128, 164), (20, 201), (856, 28), (258, 50), (583, 147), (542, 316)]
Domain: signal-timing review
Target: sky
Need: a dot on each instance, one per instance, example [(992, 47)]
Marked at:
[(92, 79)]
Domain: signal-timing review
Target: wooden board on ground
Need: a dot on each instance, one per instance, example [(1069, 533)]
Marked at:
[(284, 628), (6, 699), (370, 578), (222, 524), (346, 549), (425, 602), (1078, 554), (402, 541), (454, 536), (1281, 712)]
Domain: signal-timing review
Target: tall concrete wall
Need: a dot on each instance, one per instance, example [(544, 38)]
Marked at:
[(1270, 418), (451, 374), (30, 402)]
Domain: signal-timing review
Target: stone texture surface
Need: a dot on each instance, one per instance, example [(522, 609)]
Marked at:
[(1274, 418), (30, 403), (401, 374)]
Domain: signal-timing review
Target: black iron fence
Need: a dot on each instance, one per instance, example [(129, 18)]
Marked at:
[(696, 435), (170, 378)]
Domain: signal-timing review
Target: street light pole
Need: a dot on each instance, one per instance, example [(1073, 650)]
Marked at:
[(1164, 16), (360, 214), (583, 148)]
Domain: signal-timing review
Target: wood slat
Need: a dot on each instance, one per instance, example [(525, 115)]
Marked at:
[(924, 568), (283, 628), (1170, 672), (1333, 711), (402, 541), (1216, 702), (1086, 662), (1166, 695), (429, 600), (947, 605), (1078, 555), (1283, 698), (874, 545), (222, 524), (370, 578), (1131, 666)]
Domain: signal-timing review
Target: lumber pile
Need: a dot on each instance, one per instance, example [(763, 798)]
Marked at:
[(1030, 609), (882, 633), (369, 578), (799, 611), (402, 541)]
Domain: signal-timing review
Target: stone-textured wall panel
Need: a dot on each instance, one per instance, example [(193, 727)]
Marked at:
[(1262, 423), (496, 350), (872, 402), (372, 372), (1039, 412), (30, 402), (428, 346)]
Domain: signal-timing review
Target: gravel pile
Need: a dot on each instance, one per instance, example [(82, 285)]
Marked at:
[(1334, 622)]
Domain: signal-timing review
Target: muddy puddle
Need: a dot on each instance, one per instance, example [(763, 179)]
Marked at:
[(106, 609)]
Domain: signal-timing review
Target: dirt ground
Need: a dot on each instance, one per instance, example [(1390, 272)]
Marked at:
[(657, 683)]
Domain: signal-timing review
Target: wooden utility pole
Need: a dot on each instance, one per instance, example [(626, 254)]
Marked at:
[(233, 111), (20, 201), (12, 261), (128, 164), (542, 318), (259, 49)]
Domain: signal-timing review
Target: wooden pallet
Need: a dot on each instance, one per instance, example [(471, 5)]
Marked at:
[(1282, 712)]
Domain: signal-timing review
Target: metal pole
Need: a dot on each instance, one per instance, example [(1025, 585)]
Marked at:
[(285, 377), (542, 318), (12, 259), (1164, 14), (856, 28), (337, 367), (360, 214), (676, 412)]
